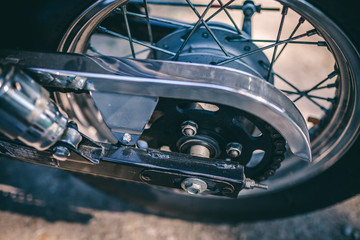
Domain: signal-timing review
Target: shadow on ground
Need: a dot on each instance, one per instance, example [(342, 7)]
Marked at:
[(38, 202), (52, 194)]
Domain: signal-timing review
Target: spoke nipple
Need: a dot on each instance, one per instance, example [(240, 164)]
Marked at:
[(311, 32), (285, 10)]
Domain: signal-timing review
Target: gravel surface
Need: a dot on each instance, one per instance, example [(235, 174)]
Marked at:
[(42, 203)]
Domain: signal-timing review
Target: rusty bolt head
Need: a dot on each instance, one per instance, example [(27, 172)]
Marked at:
[(189, 128)]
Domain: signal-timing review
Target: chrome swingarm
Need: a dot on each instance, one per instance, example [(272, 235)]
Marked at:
[(146, 80)]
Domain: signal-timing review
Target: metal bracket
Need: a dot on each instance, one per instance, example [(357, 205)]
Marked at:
[(127, 163)]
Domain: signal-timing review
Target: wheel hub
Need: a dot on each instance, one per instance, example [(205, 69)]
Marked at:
[(202, 48)]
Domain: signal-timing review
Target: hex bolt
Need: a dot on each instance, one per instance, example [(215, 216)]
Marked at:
[(194, 185), (233, 149), (61, 153), (189, 128), (126, 138)]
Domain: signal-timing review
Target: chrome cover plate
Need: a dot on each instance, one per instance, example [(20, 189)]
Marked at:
[(179, 80)]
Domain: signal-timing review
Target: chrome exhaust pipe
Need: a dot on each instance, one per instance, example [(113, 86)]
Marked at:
[(27, 112)]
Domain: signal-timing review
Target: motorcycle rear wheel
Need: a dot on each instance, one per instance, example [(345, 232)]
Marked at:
[(47, 28)]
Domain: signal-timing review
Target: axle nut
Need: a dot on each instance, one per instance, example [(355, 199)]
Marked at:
[(189, 128), (194, 185)]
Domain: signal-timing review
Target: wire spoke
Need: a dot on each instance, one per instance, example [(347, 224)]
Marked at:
[(176, 23), (283, 14), (138, 52), (307, 34), (301, 21), (331, 85), (322, 98), (123, 8), (298, 91), (208, 28), (289, 92), (311, 96), (195, 27), (181, 4), (241, 39), (148, 22), (109, 32), (305, 93), (229, 16), (223, 7), (317, 104), (94, 50)]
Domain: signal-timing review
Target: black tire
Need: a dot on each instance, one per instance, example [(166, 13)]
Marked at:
[(41, 25)]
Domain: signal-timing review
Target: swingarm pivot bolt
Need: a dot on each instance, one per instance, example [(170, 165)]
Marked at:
[(189, 128), (194, 185), (233, 149)]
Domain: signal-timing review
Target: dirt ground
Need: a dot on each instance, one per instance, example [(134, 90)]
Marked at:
[(42, 203)]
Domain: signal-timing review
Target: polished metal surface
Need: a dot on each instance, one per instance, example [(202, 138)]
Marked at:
[(327, 148), (27, 113), (194, 185), (199, 151), (71, 137), (154, 167), (202, 48), (197, 82), (61, 153), (125, 113), (75, 40)]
